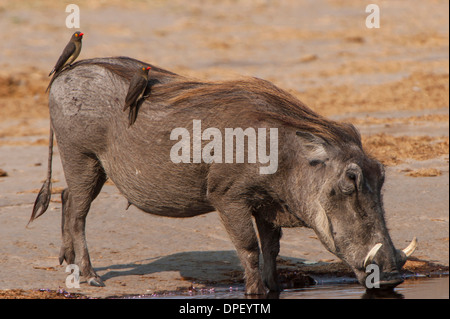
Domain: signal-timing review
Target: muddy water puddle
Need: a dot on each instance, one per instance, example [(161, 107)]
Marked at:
[(417, 288), (436, 287)]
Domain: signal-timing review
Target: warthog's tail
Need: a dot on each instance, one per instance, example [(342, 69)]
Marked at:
[(43, 198)]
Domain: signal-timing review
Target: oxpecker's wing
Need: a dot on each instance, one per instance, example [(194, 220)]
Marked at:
[(135, 90), (65, 55)]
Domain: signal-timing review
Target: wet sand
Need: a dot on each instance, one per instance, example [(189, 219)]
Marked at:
[(392, 83)]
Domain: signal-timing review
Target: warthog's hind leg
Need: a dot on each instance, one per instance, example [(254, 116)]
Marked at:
[(67, 253), (85, 178)]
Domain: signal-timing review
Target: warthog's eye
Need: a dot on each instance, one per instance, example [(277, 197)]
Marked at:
[(351, 180), (351, 175), (315, 162)]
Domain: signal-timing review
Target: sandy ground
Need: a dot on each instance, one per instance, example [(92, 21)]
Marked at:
[(391, 82)]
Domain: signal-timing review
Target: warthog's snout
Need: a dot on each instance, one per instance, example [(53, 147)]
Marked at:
[(402, 254), (389, 279)]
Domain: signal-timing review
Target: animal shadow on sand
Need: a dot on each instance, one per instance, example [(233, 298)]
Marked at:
[(205, 266), (216, 268)]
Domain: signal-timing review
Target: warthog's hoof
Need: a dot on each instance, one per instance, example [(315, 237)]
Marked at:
[(256, 288), (96, 282)]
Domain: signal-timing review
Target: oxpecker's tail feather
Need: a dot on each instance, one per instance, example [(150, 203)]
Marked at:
[(51, 80), (132, 116)]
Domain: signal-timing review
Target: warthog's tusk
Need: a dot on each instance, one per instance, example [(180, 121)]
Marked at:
[(371, 255), (411, 247)]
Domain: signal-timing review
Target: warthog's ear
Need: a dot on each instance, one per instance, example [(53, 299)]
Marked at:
[(314, 147)]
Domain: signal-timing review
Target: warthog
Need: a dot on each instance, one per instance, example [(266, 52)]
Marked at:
[(324, 180)]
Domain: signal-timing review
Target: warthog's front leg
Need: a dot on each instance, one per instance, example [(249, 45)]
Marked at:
[(238, 223), (269, 236)]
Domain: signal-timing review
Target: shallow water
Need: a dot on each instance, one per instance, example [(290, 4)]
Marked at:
[(412, 288)]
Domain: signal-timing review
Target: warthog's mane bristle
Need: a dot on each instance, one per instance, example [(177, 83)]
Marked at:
[(272, 103)]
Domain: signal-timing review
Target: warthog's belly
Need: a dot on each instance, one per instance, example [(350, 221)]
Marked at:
[(159, 187)]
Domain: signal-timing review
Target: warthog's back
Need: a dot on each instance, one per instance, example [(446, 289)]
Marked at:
[(86, 112)]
